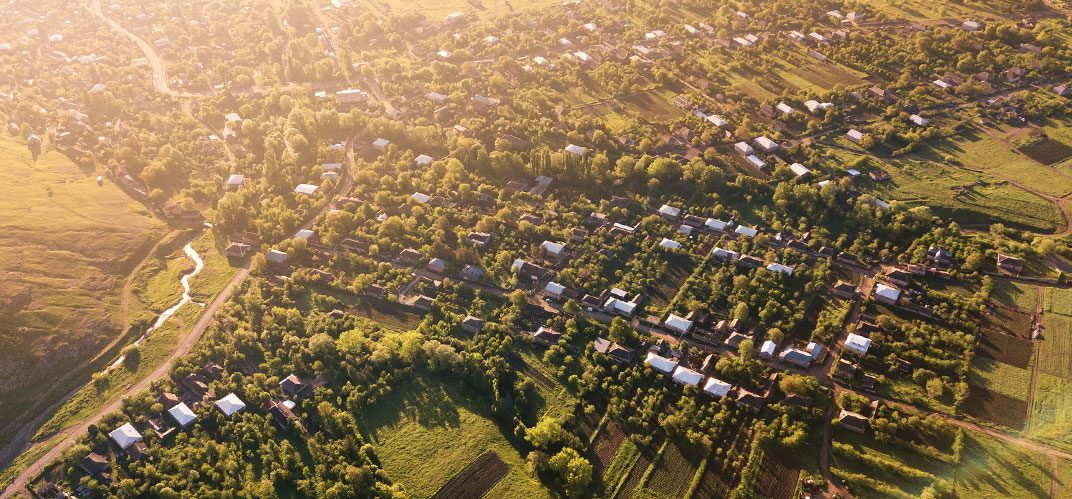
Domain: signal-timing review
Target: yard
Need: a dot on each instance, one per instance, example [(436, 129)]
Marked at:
[(443, 427)]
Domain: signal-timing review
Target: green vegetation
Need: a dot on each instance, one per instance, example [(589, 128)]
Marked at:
[(1000, 377), (978, 149)]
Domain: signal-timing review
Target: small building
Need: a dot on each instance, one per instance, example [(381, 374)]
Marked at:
[(735, 340), (277, 257), (182, 415), (685, 376), (767, 350), (855, 136), (669, 244), (660, 363), (125, 436), (234, 182), (750, 401), (546, 336), (857, 343), (845, 370), (575, 149), (816, 351), (742, 230), (887, 294), (1010, 264), (437, 265), (472, 324), (853, 421)]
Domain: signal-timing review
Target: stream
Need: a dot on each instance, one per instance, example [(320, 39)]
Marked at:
[(199, 264)]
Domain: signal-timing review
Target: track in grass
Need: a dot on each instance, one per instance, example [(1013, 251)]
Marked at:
[(476, 479)]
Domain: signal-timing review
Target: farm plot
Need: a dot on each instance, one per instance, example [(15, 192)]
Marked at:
[(1047, 151), (996, 468), (640, 467), (977, 149), (1051, 416), (882, 470), (995, 407), (674, 471), (603, 450), (1063, 485), (1055, 347), (1011, 321), (777, 476), (1004, 348), (1000, 377), (476, 479), (650, 105), (999, 392), (991, 200), (1014, 294), (713, 483)]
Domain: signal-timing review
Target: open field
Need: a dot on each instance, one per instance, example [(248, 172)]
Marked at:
[(476, 479), (1055, 348), (1006, 349), (931, 184), (979, 150), (1058, 301), (1051, 418), (995, 407), (66, 246), (923, 9), (674, 471), (1000, 377), (1015, 294), (999, 392), (1011, 321), (880, 470), (443, 427), (1064, 479), (996, 468)]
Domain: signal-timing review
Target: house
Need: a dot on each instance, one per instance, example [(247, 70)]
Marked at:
[(918, 120), (1028, 47), (799, 170), (669, 244), (844, 290), (899, 277), (716, 387), (437, 265), (167, 399), (423, 302), (857, 343), (749, 262), (620, 306), (554, 250), (530, 270), (294, 387), (1013, 75), (767, 350), (817, 351), (868, 382), (1010, 263), (409, 256), (780, 268), (182, 415), (472, 274), (1062, 90), (750, 401), (480, 238), (845, 370), (423, 160), (742, 230), (679, 324), (743, 148), (230, 405), (125, 436), (855, 136), (351, 97), (797, 400), (940, 257), (879, 92), (735, 339), (472, 324), (725, 255), (615, 352), (237, 250), (685, 376), (596, 219), (546, 336), (575, 149), (785, 108), (669, 212), (766, 144), (96, 466), (307, 189), (578, 234), (756, 162), (715, 225), (660, 363), (282, 411), (795, 356), (853, 421), (887, 294), (381, 143), (970, 26)]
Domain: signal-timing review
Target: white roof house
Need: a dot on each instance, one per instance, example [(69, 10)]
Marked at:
[(125, 436), (685, 229), (232, 117), (716, 120), (235, 180), (575, 149), (746, 231), (785, 108), (716, 387), (725, 254), (852, 172), (421, 197), (742, 42), (491, 39), (554, 289), (679, 324), (423, 160), (583, 56), (304, 234), (715, 224), (919, 120), (306, 188), (941, 84), (855, 135), (758, 163), (437, 97), (743, 148), (659, 363), (799, 170), (970, 26), (329, 175), (777, 267), (619, 306), (857, 343), (766, 144), (814, 105), (540, 60), (888, 294), (669, 243), (590, 26), (230, 404), (685, 376), (552, 248), (444, 54), (767, 350), (669, 211), (182, 415), (381, 143)]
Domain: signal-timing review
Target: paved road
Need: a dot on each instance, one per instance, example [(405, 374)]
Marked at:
[(73, 432)]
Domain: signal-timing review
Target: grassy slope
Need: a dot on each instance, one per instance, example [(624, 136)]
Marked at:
[(70, 243), (442, 427)]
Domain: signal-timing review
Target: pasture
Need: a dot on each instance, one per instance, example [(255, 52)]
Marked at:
[(991, 200), (443, 426), (66, 247)]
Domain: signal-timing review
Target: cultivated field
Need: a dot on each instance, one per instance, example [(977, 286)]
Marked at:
[(777, 476), (1015, 294), (1000, 377), (603, 450), (476, 479), (443, 427), (995, 468), (674, 471), (1051, 416), (1006, 349), (1055, 348), (66, 246)]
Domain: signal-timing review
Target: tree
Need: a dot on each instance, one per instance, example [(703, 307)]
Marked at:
[(747, 350), (621, 332), (571, 307), (575, 471)]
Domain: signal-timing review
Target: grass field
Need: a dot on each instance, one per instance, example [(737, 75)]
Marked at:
[(1055, 348), (881, 464), (1064, 479), (917, 183), (995, 468), (427, 431), (1000, 377), (66, 245), (923, 9), (1057, 301), (1015, 294), (1051, 418), (979, 150)]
